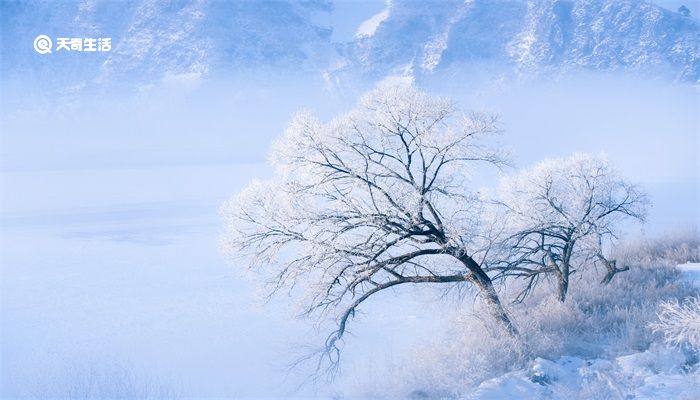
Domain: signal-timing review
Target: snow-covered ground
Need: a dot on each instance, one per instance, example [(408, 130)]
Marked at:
[(691, 272), (105, 268), (660, 372), (112, 285)]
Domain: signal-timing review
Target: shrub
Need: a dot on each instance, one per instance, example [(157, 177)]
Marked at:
[(596, 321), (679, 322)]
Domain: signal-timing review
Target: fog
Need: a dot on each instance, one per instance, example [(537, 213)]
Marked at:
[(649, 129), (109, 221)]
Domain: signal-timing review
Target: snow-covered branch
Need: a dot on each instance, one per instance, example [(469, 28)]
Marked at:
[(559, 213), (377, 197)]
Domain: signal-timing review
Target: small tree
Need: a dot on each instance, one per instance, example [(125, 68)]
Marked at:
[(376, 198), (558, 215)]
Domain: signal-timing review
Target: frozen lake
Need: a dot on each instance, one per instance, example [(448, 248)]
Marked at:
[(118, 270)]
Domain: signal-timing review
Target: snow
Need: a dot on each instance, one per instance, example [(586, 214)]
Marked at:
[(109, 224), (658, 373), (369, 27), (691, 272), (118, 269), (109, 247), (532, 38)]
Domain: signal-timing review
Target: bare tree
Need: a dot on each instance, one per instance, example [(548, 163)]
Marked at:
[(376, 198), (559, 214)]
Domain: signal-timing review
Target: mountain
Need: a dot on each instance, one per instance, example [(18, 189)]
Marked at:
[(153, 40), (530, 37), (156, 38)]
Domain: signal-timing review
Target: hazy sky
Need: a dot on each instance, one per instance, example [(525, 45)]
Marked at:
[(693, 5)]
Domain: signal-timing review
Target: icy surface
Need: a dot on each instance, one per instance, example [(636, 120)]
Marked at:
[(660, 373)]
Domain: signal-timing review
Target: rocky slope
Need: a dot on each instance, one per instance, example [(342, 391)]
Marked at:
[(153, 39), (530, 37)]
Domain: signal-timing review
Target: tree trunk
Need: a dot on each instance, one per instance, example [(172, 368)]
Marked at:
[(563, 281), (564, 269), (486, 289)]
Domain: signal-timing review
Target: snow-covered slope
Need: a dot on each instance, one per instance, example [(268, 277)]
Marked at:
[(153, 39), (660, 373), (531, 37)]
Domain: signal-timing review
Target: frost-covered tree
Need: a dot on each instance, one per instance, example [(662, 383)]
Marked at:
[(680, 322), (375, 198), (559, 213)]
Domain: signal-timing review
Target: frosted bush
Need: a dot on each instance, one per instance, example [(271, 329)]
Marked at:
[(596, 321), (473, 349), (679, 322), (677, 247), (102, 381)]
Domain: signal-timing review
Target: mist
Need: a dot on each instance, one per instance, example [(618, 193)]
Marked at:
[(109, 221)]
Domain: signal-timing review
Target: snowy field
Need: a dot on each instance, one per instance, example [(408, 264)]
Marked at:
[(113, 285), (653, 374), (126, 276)]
